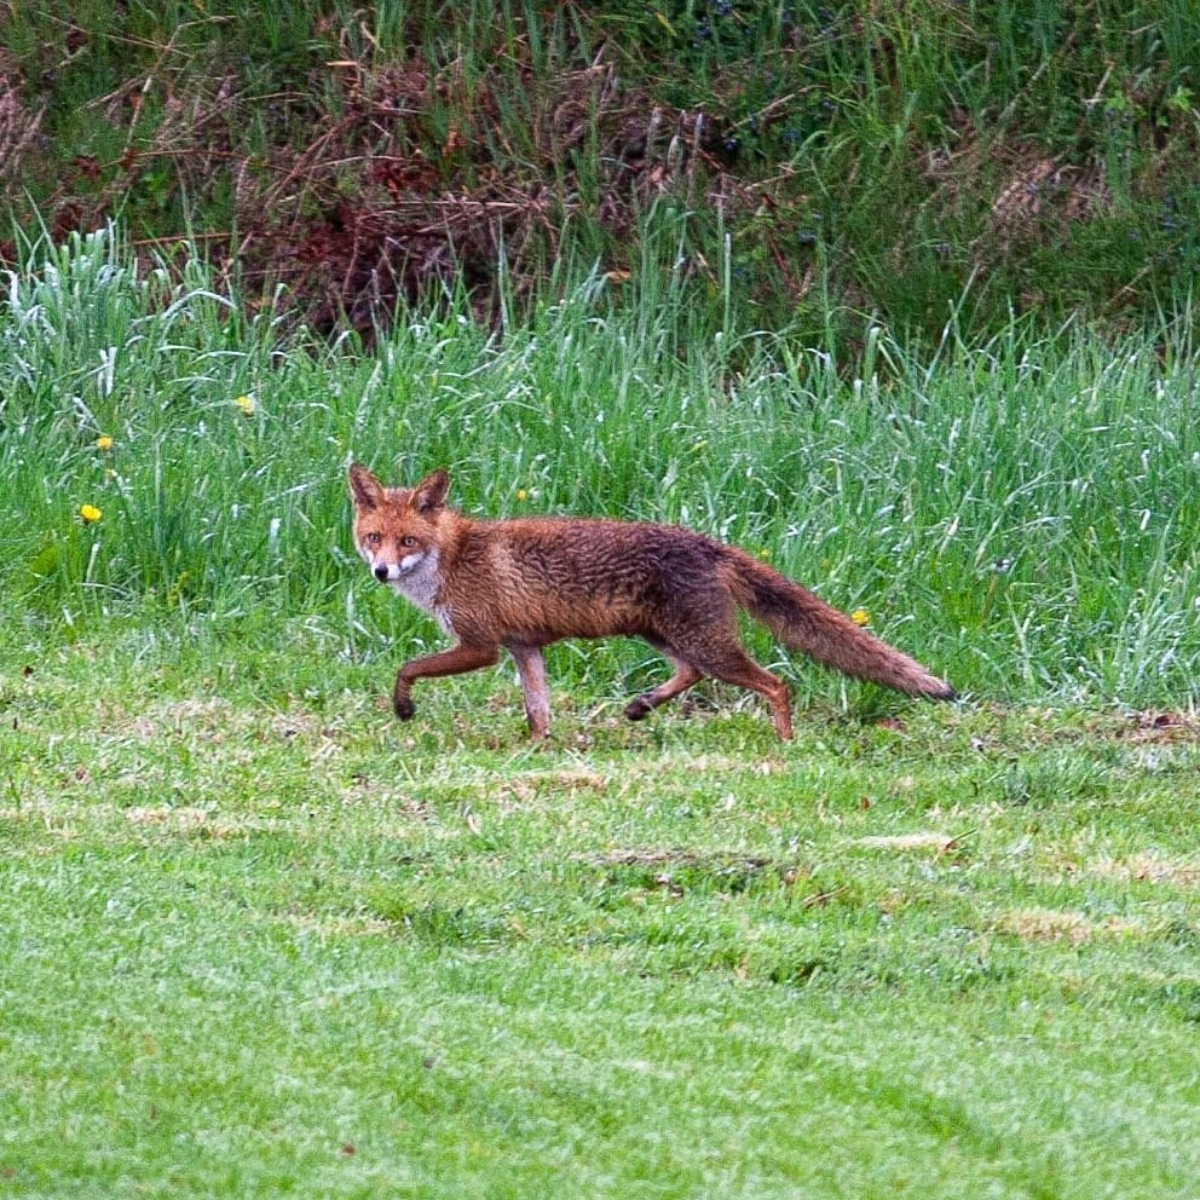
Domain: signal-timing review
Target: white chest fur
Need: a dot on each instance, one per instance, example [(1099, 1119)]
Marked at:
[(420, 582)]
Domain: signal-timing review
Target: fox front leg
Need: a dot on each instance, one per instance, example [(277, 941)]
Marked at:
[(455, 661), (531, 667)]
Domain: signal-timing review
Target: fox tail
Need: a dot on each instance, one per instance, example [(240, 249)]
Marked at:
[(803, 621)]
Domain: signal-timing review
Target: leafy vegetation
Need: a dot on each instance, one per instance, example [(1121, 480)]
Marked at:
[(815, 162)]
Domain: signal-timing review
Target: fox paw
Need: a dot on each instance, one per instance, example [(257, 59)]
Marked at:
[(639, 709), (405, 708)]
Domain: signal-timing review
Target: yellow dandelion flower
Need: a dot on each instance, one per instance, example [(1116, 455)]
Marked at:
[(764, 554), (522, 495), (860, 616), (245, 405), (89, 514), (104, 442)]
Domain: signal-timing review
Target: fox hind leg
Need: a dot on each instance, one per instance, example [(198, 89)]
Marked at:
[(732, 664), (701, 640), (685, 676), (713, 648)]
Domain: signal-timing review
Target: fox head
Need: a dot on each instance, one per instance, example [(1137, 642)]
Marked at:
[(396, 529)]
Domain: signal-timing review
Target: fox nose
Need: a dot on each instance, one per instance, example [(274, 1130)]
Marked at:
[(381, 572)]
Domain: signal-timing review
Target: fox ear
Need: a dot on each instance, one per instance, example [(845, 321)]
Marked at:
[(365, 490), (430, 493)]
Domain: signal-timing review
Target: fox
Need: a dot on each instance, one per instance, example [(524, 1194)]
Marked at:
[(524, 583)]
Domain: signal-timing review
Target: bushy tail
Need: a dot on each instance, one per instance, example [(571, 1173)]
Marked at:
[(802, 621)]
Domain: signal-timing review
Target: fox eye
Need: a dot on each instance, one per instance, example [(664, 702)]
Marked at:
[(373, 539), (408, 540)]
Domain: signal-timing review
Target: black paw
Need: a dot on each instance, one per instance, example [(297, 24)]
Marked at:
[(639, 709), (405, 708)]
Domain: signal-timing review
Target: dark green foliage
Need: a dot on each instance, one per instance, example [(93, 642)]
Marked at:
[(815, 163)]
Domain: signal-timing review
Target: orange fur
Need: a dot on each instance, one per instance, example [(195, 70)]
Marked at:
[(525, 583)]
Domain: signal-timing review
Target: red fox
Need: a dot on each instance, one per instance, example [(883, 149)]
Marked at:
[(525, 583)]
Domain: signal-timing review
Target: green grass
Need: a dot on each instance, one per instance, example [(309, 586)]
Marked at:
[(1020, 512), (258, 939), (900, 159)]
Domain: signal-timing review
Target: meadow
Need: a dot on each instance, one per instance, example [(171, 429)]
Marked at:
[(258, 939)]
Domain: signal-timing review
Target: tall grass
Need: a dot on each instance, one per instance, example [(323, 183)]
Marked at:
[(1020, 512), (889, 152)]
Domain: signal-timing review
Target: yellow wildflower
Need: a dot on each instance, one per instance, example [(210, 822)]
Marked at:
[(522, 495), (764, 554), (860, 616), (89, 514), (246, 405), (104, 442)]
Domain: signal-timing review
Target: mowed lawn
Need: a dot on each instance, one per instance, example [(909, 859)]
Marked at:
[(258, 939)]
